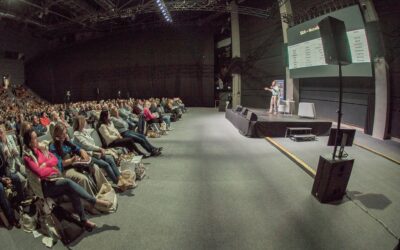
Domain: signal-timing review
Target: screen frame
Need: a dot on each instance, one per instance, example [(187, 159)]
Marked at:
[(309, 32), (350, 137)]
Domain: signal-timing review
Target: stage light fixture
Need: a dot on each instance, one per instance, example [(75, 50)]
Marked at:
[(164, 11)]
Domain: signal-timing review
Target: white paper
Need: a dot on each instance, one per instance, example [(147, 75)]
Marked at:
[(36, 234), (48, 241)]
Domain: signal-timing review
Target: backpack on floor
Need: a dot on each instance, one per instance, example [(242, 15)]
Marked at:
[(66, 226)]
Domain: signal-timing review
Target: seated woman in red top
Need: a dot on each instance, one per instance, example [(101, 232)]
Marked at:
[(156, 117), (44, 120), (44, 165)]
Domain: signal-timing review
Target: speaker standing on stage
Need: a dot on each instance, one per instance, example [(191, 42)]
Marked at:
[(274, 89)]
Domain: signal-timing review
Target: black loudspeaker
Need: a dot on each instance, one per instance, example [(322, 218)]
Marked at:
[(251, 116), (331, 180), (238, 109), (335, 41), (244, 112)]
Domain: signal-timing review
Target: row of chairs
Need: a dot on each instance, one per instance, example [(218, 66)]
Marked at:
[(35, 182)]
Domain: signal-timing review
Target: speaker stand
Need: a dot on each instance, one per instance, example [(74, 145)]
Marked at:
[(339, 111)]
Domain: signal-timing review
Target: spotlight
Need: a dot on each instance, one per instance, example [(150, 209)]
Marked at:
[(164, 10)]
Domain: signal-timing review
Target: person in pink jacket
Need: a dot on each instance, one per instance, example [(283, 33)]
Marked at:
[(150, 117), (156, 117), (44, 164)]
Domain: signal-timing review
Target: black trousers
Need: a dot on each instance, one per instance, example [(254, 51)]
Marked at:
[(128, 143)]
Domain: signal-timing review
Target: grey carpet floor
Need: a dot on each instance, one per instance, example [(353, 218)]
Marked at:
[(374, 183), (388, 147), (215, 189)]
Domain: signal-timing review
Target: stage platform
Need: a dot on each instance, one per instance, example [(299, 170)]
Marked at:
[(274, 125)]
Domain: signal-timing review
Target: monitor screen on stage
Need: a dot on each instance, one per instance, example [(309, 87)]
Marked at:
[(306, 54)]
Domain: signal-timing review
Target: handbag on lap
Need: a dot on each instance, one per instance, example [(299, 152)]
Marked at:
[(113, 153), (86, 167), (84, 163)]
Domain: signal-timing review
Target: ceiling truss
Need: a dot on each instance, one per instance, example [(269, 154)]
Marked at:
[(57, 15)]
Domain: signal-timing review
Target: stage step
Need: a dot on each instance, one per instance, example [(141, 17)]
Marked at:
[(304, 137), (290, 131)]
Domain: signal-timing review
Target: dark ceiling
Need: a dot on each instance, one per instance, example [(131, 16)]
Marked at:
[(55, 18)]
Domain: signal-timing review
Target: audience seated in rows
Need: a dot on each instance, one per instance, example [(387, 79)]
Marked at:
[(58, 167)]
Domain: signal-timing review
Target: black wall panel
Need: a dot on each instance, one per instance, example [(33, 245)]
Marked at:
[(389, 23), (155, 63), (324, 93), (261, 42)]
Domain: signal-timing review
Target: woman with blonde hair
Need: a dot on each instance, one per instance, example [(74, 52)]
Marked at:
[(68, 155), (154, 118)]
